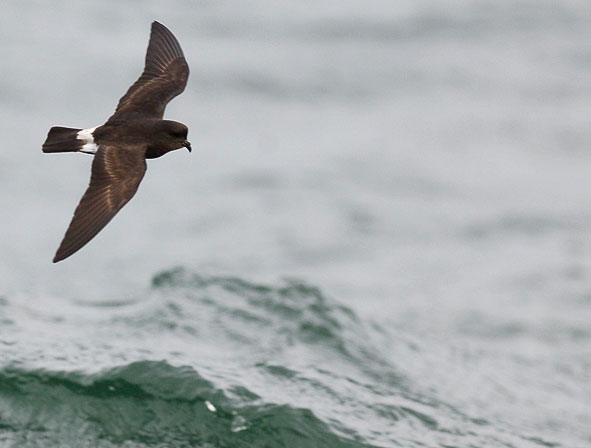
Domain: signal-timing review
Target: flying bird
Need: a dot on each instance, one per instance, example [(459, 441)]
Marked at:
[(134, 133)]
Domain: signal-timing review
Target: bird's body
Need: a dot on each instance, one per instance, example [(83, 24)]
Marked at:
[(134, 133)]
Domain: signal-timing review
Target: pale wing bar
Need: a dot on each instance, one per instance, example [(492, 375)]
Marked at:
[(116, 176)]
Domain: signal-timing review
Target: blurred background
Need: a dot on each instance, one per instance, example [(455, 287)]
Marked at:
[(382, 236)]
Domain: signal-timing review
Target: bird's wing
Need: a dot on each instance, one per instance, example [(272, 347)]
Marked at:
[(164, 77), (116, 175)]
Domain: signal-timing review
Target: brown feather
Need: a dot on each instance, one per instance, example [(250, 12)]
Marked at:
[(116, 175), (164, 77)]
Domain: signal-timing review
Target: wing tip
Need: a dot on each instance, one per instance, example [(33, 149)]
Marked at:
[(157, 26), (60, 255)]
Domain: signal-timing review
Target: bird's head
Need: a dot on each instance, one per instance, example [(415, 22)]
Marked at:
[(176, 135)]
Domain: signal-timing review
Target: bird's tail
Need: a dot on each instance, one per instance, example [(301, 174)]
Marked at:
[(60, 139)]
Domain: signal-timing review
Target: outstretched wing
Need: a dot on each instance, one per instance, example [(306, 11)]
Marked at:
[(164, 77), (116, 175)]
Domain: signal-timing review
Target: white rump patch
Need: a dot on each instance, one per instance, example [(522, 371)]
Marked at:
[(90, 147)]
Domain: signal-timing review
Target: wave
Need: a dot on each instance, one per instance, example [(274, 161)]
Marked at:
[(211, 361), (252, 365), (300, 309), (146, 403), (274, 318)]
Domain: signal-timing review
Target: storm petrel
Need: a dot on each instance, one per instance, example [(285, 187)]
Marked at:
[(134, 133)]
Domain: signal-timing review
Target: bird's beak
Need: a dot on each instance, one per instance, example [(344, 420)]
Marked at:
[(187, 145)]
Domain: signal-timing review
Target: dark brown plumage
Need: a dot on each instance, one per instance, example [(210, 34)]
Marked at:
[(134, 133)]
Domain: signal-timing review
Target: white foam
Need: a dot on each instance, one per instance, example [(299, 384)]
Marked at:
[(89, 147)]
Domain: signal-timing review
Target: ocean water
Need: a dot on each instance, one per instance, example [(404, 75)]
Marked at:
[(382, 237)]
